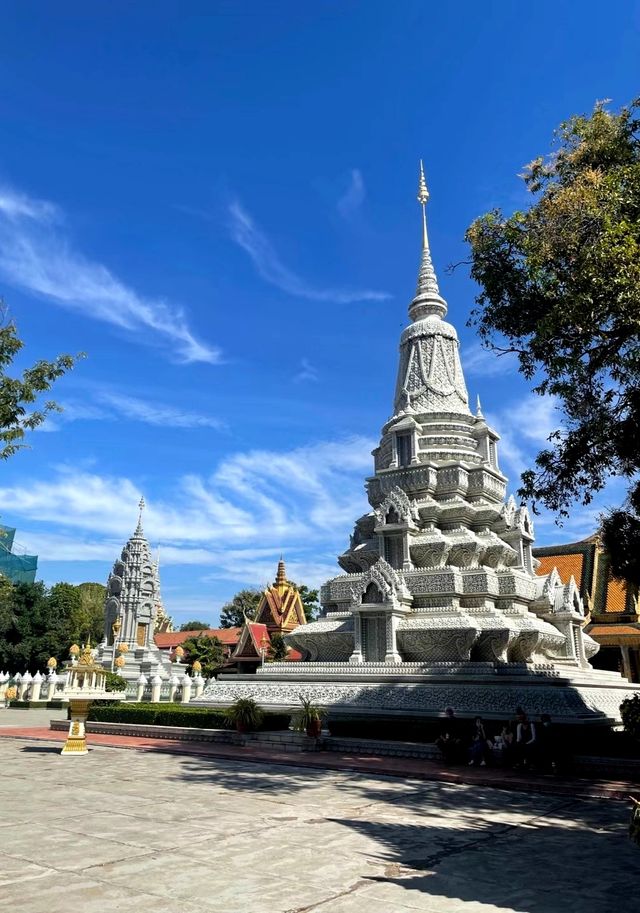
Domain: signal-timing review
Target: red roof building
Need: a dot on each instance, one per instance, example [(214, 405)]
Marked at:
[(228, 637), (280, 610)]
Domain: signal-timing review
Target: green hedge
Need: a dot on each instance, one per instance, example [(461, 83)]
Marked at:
[(176, 715)]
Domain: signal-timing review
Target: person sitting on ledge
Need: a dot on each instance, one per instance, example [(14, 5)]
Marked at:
[(448, 742), (480, 744), (504, 742), (525, 746)]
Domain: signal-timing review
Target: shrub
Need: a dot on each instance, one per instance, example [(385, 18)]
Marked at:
[(114, 682), (245, 715), (176, 715), (630, 713)]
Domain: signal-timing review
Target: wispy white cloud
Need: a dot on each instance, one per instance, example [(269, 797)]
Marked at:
[(524, 428), (353, 197), (480, 362), (36, 254), (160, 414), (109, 405), (251, 239), (306, 372), (233, 524)]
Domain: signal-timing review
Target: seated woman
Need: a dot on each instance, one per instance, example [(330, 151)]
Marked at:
[(480, 744), (448, 742)]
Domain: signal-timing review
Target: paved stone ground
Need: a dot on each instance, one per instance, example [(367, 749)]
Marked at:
[(121, 830)]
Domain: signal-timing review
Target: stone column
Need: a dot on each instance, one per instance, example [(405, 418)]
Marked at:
[(391, 655), (25, 683), (406, 555), (186, 689), (626, 663), (356, 656), (36, 687), (173, 687), (199, 683), (142, 682), (156, 685)]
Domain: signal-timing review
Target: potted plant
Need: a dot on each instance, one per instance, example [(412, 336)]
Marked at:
[(245, 715), (310, 719)]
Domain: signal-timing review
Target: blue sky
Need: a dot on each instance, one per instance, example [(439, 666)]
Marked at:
[(216, 203)]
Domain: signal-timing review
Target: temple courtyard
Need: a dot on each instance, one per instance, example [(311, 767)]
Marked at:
[(125, 830)]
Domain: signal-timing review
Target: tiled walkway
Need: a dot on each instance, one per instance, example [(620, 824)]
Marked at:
[(173, 829), (394, 767)]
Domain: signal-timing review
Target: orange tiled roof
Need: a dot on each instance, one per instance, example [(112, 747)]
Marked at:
[(616, 596), (169, 641), (568, 566), (612, 634)]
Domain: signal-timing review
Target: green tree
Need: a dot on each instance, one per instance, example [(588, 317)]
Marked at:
[(277, 648), (207, 650), (19, 394), (89, 621), (310, 601), (195, 626), (233, 613), (560, 288)]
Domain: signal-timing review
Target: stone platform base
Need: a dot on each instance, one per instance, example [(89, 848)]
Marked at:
[(568, 694)]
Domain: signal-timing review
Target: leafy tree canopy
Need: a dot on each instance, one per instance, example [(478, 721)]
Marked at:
[(36, 623), (243, 603), (207, 650), (560, 288), (19, 394), (310, 601), (195, 626)]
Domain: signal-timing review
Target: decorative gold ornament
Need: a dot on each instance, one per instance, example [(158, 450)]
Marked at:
[(52, 662), (179, 651), (74, 649), (197, 666), (123, 648), (120, 661), (11, 693)]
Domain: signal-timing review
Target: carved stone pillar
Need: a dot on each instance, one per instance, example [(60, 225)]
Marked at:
[(356, 656), (392, 655)]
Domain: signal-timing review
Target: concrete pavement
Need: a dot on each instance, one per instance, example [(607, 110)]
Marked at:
[(125, 830)]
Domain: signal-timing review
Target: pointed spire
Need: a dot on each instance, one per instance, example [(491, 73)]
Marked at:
[(427, 300), (141, 506), (478, 408), (281, 576)]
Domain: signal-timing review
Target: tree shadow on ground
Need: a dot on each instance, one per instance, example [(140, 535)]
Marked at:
[(573, 855), (447, 843)]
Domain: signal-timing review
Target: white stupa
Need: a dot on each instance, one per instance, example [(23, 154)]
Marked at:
[(440, 604)]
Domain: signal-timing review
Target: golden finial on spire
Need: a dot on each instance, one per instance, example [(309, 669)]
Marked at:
[(281, 576)]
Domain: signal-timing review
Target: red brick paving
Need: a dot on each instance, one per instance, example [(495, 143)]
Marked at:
[(366, 764)]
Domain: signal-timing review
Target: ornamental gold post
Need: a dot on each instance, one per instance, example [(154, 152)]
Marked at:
[(86, 684)]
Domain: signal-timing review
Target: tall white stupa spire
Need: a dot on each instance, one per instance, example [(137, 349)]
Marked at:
[(139, 532), (428, 299)]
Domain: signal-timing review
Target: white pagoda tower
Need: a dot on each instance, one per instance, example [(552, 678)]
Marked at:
[(131, 608), (440, 604)]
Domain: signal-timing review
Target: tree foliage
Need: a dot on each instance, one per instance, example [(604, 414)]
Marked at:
[(244, 603), (37, 623), (208, 651), (195, 626), (310, 601), (560, 288), (19, 394)]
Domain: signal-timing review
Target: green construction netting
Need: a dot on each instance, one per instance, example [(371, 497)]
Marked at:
[(18, 568)]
